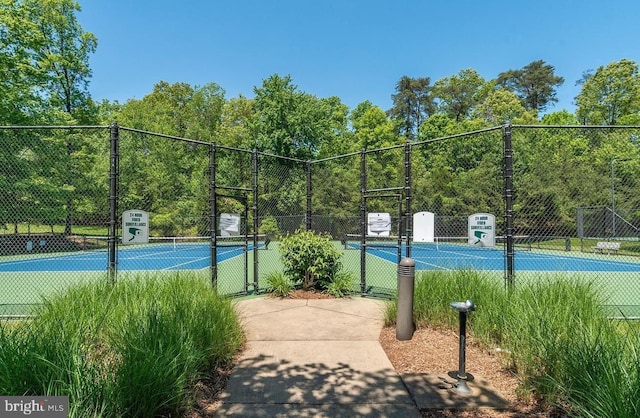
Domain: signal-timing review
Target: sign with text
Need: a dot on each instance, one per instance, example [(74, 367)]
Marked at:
[(135, 227), (379, 224), (35, 406), (482, 230)]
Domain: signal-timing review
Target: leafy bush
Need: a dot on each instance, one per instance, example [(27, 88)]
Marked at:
[(278, 284), (310, 259), (341, 285)]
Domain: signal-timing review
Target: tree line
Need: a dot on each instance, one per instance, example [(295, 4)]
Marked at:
[(44, 60)]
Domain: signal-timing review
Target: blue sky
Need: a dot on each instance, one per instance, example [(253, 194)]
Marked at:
[(354, 49)]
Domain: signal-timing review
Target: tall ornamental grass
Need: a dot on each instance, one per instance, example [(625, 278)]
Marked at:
[(564, 348), (136, 348)]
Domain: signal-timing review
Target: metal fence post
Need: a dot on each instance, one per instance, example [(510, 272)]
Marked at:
[(363, 221), (308, 223), (213, 220), (408, 219), (406, 278), (113, 201), (256, 222), (508, 199)]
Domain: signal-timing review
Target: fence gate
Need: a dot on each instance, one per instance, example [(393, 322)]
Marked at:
[(384, 227), (234, 244)]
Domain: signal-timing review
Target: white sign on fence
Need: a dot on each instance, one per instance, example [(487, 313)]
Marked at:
[(423, 227), (482, 230), (229, 225), (379, 224), (135, 227)]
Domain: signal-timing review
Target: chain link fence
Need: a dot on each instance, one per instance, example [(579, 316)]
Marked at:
[(281, 189), (576, 190), (554, 201), (54, 186)]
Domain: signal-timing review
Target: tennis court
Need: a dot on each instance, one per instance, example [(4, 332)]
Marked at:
[(27, 278), (616, 275), (456, 256), (173, 255), (160, 256)]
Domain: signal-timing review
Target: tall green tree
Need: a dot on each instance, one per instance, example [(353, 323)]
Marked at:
[(235, 118), (204, 112), (45, 57), (340, 138), (288, 122), (562, 117), (165, 176), (21, 78), (609, 94), (500, 106), (61, 50), (412, 103), (372, 128), (535, 84), (292, 124), (177, 109), (459, 94)]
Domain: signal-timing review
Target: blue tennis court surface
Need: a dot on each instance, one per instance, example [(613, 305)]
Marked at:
[(157, 257), (454, 257)]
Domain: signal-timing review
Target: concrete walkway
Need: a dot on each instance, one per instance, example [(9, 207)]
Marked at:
[(322, 358)]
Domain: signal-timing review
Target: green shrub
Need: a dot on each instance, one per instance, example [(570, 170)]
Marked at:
[(278, 284), (341, 285), (309, 259)]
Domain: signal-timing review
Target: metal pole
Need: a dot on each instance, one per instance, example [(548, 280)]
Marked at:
[(113, 200), (408, 219), (245, 204), (309, 191), (462, 353), (404, 319), (508, 199), (399, 228), (613, 202), (363, 220), (213, 220), (256, 225), (461, 375)]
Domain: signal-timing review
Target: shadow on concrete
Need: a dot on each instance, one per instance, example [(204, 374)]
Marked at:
[(323, 358), (263, 386), (432, 391)]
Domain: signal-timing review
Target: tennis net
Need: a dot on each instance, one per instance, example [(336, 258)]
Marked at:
[(101, 243), (460, 243)]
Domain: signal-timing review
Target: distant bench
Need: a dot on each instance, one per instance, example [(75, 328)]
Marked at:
[(608, 246)]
